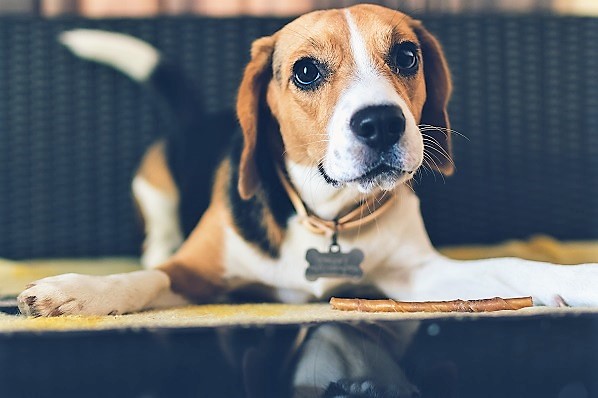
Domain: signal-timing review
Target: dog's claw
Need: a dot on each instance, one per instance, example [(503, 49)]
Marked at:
[(560, 301), (30, 300), (27, 305)]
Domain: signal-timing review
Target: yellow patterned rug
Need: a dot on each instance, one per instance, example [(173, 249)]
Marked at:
[(15, 275), (196, 316)]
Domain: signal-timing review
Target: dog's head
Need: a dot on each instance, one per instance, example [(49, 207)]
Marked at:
[(347, 90)]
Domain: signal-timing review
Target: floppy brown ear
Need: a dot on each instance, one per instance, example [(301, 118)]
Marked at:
[(438, 91), (257, 74)]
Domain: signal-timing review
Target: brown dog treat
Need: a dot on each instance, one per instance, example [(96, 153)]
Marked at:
[(485, 305)]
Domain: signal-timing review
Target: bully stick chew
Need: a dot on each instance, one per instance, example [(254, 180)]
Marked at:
[(486, 305)]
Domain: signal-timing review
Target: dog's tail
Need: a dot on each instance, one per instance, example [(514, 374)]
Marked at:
[(141, 62), (144, 63)]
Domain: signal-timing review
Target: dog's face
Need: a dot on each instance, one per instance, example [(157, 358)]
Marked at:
[(348, 89)]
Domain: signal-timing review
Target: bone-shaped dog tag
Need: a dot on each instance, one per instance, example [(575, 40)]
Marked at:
[(334, 264)]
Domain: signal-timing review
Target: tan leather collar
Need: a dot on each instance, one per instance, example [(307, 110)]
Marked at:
[(363, 213)]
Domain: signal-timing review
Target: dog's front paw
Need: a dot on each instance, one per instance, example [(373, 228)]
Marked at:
[(68, 294)]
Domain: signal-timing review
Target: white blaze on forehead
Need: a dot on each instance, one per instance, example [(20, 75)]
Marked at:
[(362, 57), (374, 87)]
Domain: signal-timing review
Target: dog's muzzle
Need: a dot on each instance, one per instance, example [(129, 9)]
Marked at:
[(370, 152)]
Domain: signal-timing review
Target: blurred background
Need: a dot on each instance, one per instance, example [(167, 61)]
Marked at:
[(147, 8)]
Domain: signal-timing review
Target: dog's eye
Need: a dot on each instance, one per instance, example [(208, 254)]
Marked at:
[(404, 58), (306, 73)]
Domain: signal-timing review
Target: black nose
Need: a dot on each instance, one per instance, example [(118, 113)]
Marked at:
[(379, 126)]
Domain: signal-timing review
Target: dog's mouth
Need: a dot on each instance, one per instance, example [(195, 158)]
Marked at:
[(381, 172)]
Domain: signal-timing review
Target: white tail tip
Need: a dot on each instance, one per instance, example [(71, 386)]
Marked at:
[(133, 57)]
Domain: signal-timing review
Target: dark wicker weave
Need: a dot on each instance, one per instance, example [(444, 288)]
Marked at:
[(72, 132)]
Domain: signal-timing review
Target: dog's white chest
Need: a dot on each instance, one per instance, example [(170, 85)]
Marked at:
[(245, 264)]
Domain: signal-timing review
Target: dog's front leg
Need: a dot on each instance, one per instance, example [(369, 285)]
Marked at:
[(441, 278), (194, 272), (75, 294)]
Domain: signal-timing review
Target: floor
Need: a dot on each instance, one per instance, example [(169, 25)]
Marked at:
[(230, 351)]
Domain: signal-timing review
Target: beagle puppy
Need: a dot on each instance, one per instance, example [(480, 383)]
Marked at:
[(337, 111)]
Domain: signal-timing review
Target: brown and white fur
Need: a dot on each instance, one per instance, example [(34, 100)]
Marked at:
[(250, 235)]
